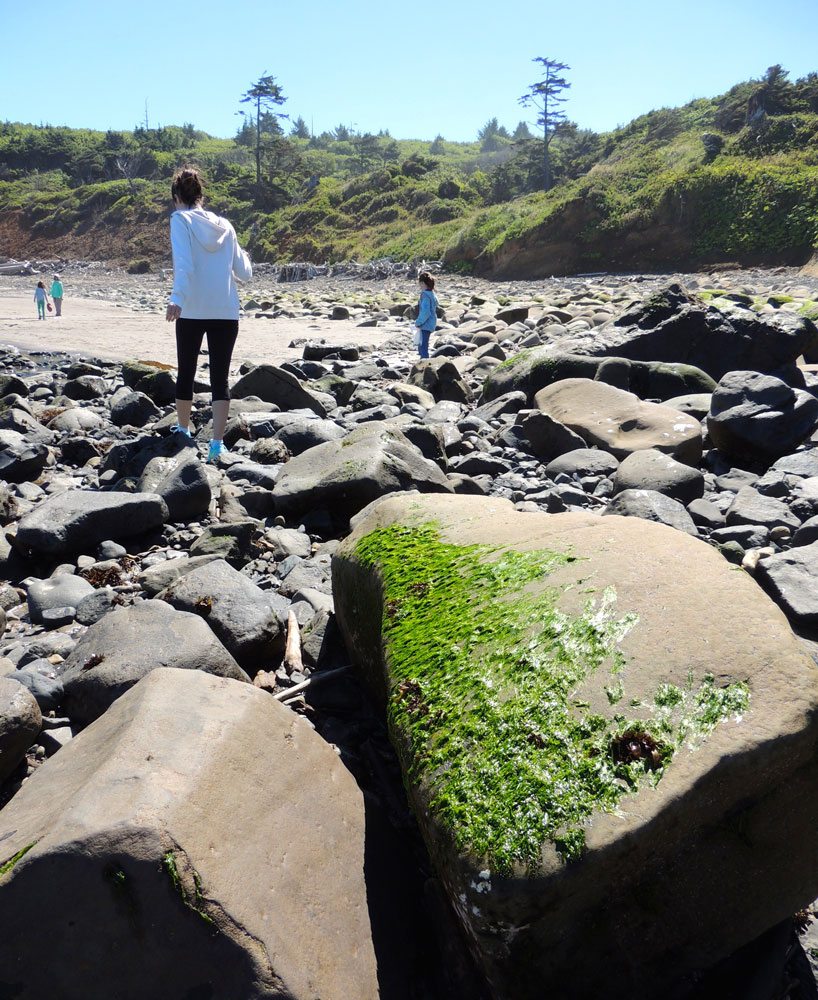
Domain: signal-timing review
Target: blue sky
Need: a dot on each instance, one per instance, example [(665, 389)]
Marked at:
[(416, 69)]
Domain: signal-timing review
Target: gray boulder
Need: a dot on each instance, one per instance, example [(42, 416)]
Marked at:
[(135, 409), (20, 724), (275, 385), (653, 470), (343, 477), (156, 578), (78, 520), (791, 579), (63, 591), (182, 483), (759, 417), (652, 506), (673, 325), (533, 369), (210, 845), (235, 609), (752, 507), (21, 459), (548, 437), (305, 433), (125, 645), (583, 462)]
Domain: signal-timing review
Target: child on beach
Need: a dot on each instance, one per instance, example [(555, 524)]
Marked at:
[(56, 295), (41, 298), (427, 312)]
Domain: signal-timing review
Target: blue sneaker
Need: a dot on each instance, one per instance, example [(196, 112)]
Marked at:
[(178, 429), (216, 451)]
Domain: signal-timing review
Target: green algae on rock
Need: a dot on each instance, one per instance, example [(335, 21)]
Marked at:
[(483, 696)]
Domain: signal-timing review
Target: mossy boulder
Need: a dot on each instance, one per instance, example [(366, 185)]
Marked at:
[(533, 369), (606, 732)]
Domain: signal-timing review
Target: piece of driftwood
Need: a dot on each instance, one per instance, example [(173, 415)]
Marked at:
[(296, 689), (292, 650)]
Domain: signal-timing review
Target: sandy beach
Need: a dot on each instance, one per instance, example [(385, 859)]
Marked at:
[(114, 332)]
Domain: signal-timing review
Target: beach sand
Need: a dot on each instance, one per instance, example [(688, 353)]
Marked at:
[(113, 332)]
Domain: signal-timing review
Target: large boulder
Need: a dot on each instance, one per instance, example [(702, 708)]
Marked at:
[(653, 470), (126, 644), (62, 591), (199, 840), (239, 613), (182, 483), (307, 432), (541, 673), (533, 369), (673, 325), (791, 579), (651, 505), (343, 477), (275, 385), (759, 417), (21, 459), (78, 520), (619, 422), (20, 724)]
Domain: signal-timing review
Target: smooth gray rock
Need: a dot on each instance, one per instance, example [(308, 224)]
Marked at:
[(21, 459), (182, 483), (791, 579), (583, 462), (235, 609), (548, 437), (56, 592), (759, 416), (129, 643), (285, 542), (78, 520), (43, 681), (343, 477), (706, 514), (20, 724), (751, 507), (653, 470), (275, 385), (136, 409), (157, 577), (652, 506), (96, 605), (305, 433)]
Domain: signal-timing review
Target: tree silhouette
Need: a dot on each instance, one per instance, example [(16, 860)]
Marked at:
[(546, 96), (266, 95)]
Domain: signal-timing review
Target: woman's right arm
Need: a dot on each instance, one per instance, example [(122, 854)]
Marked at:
[(182, 260), (242, 268)]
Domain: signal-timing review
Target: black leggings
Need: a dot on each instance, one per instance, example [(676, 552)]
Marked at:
[(221, 339)]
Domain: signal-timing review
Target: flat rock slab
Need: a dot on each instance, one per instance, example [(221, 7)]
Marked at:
[(125, 645), (78, 520), (526, 659), (204, 838), (619, 422)]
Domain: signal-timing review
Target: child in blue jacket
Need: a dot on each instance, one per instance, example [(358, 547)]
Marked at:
[(427, 312)]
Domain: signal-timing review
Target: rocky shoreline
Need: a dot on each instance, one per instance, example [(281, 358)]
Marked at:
[(687, 403)]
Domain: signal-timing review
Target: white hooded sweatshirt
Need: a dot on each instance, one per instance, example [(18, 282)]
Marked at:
[(207, 259)]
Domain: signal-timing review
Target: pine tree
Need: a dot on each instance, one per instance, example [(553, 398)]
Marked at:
[(266, 95), (546, 96)]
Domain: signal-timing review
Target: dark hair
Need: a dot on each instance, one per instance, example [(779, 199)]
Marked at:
[(40, 284), (427, 279), (187, 186)]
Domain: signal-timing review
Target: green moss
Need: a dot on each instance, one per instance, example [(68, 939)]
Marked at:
[(483, 706), (193, 900), (6, 867)]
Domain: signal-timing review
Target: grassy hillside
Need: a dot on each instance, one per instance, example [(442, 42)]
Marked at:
[(733, 178)]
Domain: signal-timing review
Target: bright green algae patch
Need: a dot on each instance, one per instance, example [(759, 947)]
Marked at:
[(483, 681)]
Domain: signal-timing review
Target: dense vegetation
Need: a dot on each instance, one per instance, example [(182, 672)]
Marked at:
[(728, 178)]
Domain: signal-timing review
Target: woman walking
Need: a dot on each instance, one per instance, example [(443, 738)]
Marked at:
[(207, 260), (427, 312), (56, 294)]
